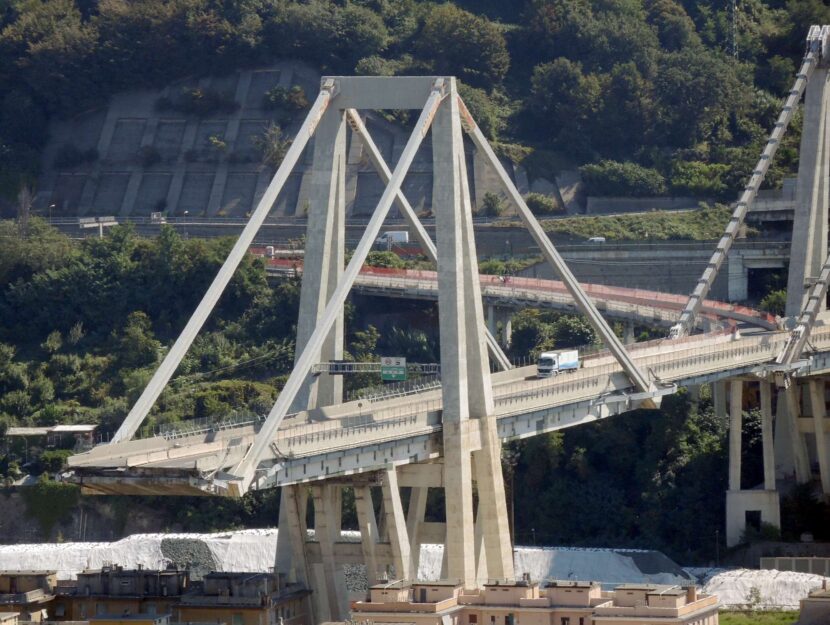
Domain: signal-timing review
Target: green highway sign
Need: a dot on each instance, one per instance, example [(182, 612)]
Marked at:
[(392, 369)]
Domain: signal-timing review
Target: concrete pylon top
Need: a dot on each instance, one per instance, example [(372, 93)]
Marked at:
[(382, 92), (818, 39)]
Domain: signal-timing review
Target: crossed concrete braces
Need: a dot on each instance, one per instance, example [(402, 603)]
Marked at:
[(322, 330)]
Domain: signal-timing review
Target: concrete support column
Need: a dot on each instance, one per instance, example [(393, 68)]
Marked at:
[(809, 238), (491, 319), (628, 333), (766, 435), (507, 329), (735, 429), (324, 255), (738, 278), (465, 372), (492, 504), (790, 449), (292, 536), (368, 530), (787, 428), (414, 521), (819, 410), (396, 524), (327, 584)]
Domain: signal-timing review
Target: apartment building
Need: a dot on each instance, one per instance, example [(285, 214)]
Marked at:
[(27, 593), (114, 590), (245, 599), (524, 602)]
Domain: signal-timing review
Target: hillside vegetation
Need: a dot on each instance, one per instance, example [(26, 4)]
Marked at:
[(646, 92), (697, 225)]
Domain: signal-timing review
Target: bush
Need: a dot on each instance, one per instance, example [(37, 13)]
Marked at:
[(540, 204), (198, 102), (385, 259), (492, 205), (622, 179), (53, 461), (272, 146), (70, 155), (775, 302), (699, 179), (280, 98)]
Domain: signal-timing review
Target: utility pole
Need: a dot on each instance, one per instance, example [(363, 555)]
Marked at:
[(24, 208)]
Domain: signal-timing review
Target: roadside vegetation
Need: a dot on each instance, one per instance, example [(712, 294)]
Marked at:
[(728, 617), (704, 223)]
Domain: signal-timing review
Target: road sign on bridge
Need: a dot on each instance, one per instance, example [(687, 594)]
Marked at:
[(392, 369)]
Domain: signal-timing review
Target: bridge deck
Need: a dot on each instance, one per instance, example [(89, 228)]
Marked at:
[(367, 435)]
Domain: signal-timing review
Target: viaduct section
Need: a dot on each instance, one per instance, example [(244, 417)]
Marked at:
[(313, 444)]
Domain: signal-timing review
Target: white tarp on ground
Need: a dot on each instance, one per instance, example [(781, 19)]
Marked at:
[(254, 550), (762, 589)]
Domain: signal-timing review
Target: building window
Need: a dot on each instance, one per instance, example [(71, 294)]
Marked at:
[(473, 619), (100, 609), (565, 620), (237, 619), (581, 620)]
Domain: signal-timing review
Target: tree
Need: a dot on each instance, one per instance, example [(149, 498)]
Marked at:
[(465, 45), (52, 50), (272, 145), (484, 111), (566, 101), (137, 346), (698, 93)]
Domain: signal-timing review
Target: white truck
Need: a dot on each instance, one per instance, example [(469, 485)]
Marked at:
[(392, 237), (551, 363)]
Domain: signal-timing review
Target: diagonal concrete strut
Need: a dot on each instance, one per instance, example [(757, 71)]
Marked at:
[(553, 257), (174, 357), (243, 474), (413, 221)]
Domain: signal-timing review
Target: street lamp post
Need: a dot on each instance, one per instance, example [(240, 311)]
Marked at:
[(186, 213)]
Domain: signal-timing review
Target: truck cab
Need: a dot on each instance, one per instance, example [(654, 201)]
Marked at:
[(551, 363)]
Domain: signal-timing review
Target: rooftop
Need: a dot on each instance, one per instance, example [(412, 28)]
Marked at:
[(567, 583)]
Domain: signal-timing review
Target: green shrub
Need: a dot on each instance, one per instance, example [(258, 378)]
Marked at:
[(699, 179), (774, 302), (622, 179), (540, 204), (385, 259), (280, 98), (54, 460), (199, 102), (492, 205)]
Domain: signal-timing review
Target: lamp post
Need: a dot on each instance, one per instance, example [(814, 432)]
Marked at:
[(186, 213), (51, 206)]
